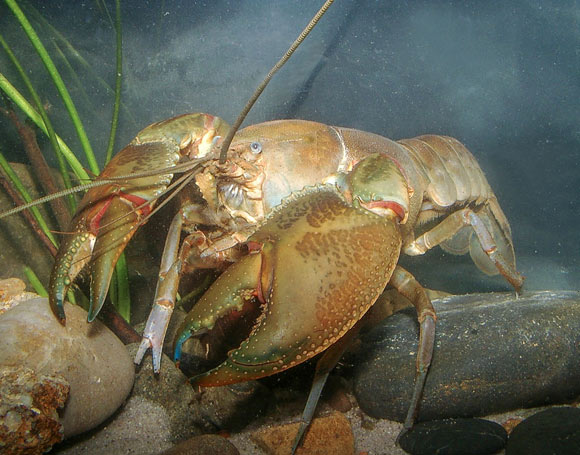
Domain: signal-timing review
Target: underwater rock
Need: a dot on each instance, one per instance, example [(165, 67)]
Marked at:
[(555, 430), (192, 411), (493, 353), (454, 437), (140, 427), (28, 410), (89, 356), (207, 444), (170, 390), (329, 434), (12, 292)]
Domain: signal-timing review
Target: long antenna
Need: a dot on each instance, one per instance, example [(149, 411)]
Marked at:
[(228, 140)]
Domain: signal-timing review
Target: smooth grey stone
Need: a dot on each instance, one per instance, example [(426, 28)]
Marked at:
[(454, 437), (493, 353), (553, 431), (89, 356), (192, 411), (141, 427)]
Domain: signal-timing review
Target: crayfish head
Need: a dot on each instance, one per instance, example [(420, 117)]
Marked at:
[(377, 184)]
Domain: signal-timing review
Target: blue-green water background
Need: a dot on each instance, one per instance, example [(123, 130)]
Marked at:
[(502, 77)]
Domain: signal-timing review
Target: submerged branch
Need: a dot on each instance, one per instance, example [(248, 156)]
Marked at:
[(118, 325), (27, 215), (41, 169)]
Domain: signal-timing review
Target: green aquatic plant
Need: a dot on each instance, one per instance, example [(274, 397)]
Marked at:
[(36, 112), (58, 82), (44, 115)]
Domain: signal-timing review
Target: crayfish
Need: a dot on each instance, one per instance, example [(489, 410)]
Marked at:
[(308, 262), (307, 222)]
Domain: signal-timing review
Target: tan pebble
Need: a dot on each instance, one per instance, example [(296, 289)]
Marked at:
[(510, 424), (328, 434)]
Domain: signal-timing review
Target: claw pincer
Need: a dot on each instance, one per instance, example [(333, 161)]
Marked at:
[(325, 257), (109, 215)]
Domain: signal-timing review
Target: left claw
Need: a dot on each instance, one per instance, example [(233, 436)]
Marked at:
[(305, 285)]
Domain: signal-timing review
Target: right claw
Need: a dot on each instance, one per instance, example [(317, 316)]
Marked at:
[(105, 228), (109, 215)]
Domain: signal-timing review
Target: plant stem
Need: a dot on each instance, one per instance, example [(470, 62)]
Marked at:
[(41, 169), (33, 215), (78, 58), (123, 297)]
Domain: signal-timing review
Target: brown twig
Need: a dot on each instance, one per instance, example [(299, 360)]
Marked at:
[(115, 322), (41, 169), (27, 215)]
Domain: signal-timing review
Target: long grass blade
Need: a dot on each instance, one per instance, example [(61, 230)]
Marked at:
[(123, 297), (44, 115), (72, 75), (58, 82), (122, 300), (77, 57), (17, 98), (35, 282)]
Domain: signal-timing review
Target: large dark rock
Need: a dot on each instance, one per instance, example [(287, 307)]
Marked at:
[(454, 437), (555, 430), (493, 353)]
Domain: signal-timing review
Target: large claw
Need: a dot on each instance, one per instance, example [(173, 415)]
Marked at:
[(322, 264), (109, 215)]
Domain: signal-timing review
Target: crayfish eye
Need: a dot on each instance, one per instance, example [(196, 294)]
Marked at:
[(256, 147)]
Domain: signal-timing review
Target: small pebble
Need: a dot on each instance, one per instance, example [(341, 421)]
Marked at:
[(330, 434)]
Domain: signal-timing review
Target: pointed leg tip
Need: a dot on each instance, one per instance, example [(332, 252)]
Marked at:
[(156, 353), (143, 348)]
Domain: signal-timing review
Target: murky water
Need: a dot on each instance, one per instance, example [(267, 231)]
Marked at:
[(502, 77)]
